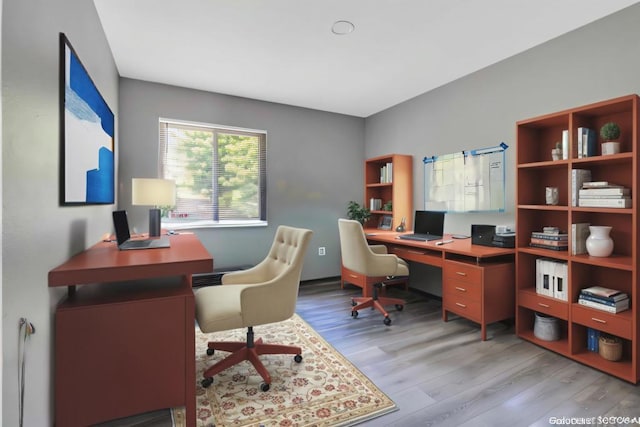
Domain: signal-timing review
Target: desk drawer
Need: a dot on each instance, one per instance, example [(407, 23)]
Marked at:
[(616, 324), (550, 306), (472, 291), (462, 272), (423, 256), (462, 306)]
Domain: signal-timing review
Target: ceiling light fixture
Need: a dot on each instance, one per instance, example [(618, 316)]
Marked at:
[(342, 28)]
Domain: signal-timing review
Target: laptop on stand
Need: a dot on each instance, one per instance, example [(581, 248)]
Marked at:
[(123, 236), (428, 225)]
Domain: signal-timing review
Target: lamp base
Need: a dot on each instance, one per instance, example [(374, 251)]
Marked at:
[(154, 222)]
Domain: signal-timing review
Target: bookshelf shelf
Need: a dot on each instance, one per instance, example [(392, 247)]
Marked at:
[(399, 191), (535, 170)]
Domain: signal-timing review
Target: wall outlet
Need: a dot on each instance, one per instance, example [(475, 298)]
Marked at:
[(322, 251)]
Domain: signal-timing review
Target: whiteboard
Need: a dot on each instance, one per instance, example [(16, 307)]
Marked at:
[(466, 181)]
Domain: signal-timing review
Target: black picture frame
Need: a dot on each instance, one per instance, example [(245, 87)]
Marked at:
[(386, 222), (87, 135)]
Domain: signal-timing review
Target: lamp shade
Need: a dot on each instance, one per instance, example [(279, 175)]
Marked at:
[(153, 192)]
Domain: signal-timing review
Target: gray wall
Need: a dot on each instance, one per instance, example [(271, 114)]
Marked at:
[(594, 63), (39, 234), (315, 159), (314, 166)]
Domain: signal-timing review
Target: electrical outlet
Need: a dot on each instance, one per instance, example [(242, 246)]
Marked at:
[(321, 251)]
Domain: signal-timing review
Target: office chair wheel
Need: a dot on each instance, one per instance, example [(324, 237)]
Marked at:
[(399, 307), (354, 314), (387, 321), (297, 358), (264, 387), (206, 382), (353, 303), (210, 351)]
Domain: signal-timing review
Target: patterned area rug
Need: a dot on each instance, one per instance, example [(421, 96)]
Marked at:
[(324, 390)]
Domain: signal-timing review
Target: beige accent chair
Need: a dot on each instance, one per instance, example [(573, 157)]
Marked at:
[(372, 261), (266, 293)]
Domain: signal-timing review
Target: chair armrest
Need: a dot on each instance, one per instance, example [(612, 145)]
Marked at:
[(378, 249)]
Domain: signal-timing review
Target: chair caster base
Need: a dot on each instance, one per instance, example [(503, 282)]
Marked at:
[(387, 321), (265, 387), (205, 383)]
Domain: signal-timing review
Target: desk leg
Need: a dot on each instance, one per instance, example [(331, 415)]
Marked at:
[(190, 365), (190, 374)]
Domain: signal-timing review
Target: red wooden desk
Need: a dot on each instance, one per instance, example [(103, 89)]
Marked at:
[(478, 282), (124, 347)]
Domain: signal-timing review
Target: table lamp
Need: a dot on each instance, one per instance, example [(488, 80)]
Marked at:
[(153, 192)]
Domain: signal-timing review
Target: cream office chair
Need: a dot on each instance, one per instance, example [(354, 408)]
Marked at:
[(371, 261), (266, 293)]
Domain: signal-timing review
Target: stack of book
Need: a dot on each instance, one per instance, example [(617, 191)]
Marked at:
[(605, 299), (603, 194), (550, 238)]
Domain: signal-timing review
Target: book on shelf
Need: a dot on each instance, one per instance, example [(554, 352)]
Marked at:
[(587, 142), (621, 306), (386, 173), (593, 336), (604, 301), (551, 278), (600, 184), (553, 248), (578, 178), (603, 192), (549, 236), (603, 292), (549, 242), (544, 280), (624, 202), (565, 144), (579, 234)]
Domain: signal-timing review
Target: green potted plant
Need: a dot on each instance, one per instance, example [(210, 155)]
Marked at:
[(357, 212), (610, 132)]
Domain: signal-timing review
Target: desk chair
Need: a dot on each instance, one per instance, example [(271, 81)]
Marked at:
[(372, 261), (266, 293)]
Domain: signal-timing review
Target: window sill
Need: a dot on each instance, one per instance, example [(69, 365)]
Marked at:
[(190, 225)]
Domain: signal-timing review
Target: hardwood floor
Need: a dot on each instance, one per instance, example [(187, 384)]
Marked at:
[(441, 374)]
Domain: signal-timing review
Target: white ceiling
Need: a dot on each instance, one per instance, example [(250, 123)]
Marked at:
[(284, 51)]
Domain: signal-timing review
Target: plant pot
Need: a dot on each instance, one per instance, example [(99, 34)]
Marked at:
[(546, 328), (599, 243), (610, 147), (556, 154)]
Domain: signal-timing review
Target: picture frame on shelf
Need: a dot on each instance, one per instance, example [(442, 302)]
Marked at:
[(386, 222)]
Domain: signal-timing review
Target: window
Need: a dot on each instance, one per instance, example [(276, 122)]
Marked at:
[(220, 174)]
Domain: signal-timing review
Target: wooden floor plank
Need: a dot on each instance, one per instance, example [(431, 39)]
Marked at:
[(441, 374)]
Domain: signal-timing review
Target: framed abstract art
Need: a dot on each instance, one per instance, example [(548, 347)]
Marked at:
[(87, 135)]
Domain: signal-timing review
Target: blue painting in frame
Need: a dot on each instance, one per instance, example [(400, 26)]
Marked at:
[(87, 134)]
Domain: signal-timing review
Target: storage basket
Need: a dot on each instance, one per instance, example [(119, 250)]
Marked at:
[(610, 348), (546, 328)]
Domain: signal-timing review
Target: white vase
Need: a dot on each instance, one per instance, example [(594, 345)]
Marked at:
[(599, 243)]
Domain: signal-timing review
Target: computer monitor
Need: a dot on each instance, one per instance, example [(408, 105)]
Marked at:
[(429, 222)]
